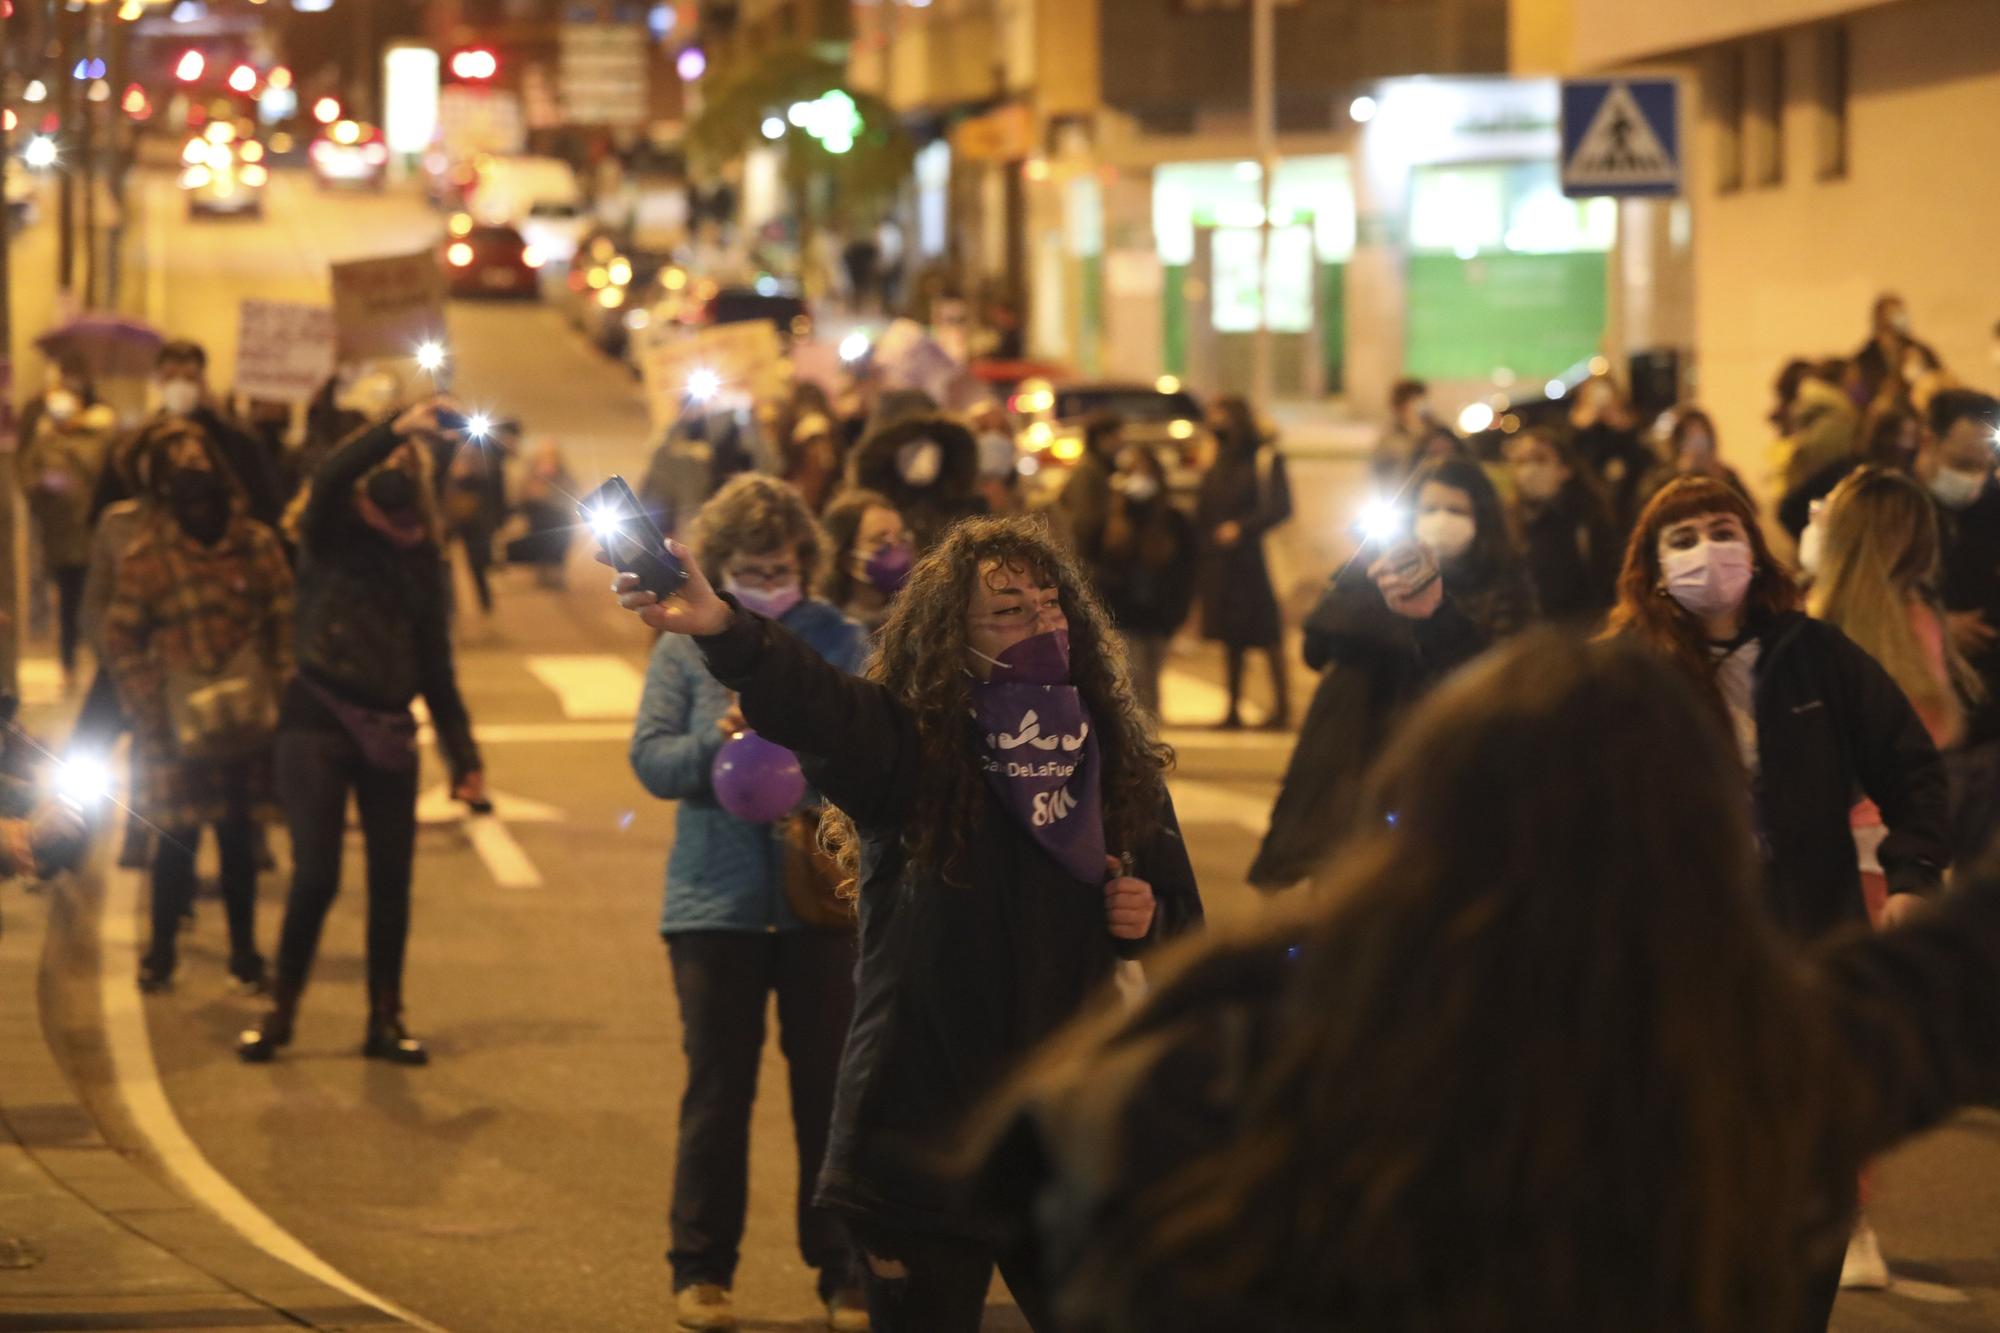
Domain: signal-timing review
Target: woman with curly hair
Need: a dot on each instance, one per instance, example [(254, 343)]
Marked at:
[(733, 938), (1004, 811)]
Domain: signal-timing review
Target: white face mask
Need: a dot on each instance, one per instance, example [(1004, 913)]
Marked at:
[(61, 405), (919, 462), (1812, 547), (1708, 579), (1448, 535), (1955, 489), (180, 397)]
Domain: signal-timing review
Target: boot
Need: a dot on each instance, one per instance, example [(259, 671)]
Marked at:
[(387, 1038), (259, 1045)]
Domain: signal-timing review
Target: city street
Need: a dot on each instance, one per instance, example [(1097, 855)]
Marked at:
[(520, 1182)]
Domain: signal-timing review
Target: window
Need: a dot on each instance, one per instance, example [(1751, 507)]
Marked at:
[(1765, 89), (1724, 96), (1830, 100)]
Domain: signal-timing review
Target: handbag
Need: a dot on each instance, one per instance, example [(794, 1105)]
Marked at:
[(222, 713), (813, 879), (386, 738)]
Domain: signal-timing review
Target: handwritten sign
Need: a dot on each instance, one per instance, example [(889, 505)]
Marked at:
[(284, 351), (385, 307), (742, 359)]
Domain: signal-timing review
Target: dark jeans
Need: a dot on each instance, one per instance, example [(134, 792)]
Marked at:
[(1148, 655), (69, 610), (479, 559), (1274, 654), (173, 894), (926, 1283), (316, 771), (722, 979)]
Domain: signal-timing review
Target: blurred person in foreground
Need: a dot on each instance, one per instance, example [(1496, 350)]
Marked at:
[(1538, 1059), (1390, 625), (373, 635), (738, 924), (1004, 868), (1145, 568), (1243, 496), (1562, 528)]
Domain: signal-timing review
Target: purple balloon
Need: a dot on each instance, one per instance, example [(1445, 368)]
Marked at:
[(755, 780)]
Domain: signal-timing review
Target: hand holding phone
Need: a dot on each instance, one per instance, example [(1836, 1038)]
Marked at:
[(630, 542)]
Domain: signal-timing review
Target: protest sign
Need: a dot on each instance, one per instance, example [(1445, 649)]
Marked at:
[(284, 351)]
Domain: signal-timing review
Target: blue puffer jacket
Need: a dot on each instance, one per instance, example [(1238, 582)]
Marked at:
[(722, 874)]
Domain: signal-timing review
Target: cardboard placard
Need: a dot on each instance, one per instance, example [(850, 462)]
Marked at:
[(284, 350), (385, 307), (746, 359)]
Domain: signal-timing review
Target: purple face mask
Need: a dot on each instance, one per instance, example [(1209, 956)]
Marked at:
[(889, 568), (1039, 752), (770, 603)]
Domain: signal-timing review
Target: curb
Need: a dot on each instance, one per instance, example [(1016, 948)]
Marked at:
[(123, 1250)]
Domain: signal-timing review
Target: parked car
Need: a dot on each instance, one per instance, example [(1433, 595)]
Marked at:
[(223, 174), (510, 186), (1162, 416), (555, 227), (349, 155), (489, 261), (603, 290)]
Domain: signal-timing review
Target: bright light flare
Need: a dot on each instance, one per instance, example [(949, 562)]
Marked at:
[(604, 522), (703, 384), (190, 68), (242, 79), (83, 780), (326, 110), (40, 152), (478, 426), (1381, 520), (430, 357), (254, 175), (854, 346), (1475, 418), (460, 254)]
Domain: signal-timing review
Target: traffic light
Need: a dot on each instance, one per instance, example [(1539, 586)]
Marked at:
[(190, 67), (474, 64)]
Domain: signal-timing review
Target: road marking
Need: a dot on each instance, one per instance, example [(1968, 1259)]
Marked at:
[(595, 685), (1198, 801), (505, 859), (137, 1077)]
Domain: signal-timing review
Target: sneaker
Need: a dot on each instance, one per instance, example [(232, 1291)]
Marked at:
[(1864, 1269), (704, 1306), (847, 1311)]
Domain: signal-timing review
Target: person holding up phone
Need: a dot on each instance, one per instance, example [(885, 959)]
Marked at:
[(373, 634), (1399, 618), (1003, 809)]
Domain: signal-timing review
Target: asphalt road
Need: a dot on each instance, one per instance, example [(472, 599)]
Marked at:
[(520, 1182)]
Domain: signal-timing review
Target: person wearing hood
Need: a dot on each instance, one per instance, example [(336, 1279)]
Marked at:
[(1562, 528), (59, 464), (999, 800), (1145, 568), (738, 923), (1392, 623), (198, 639), (1243, 496), (928, 467), (1956, 465), (873, 553), (372, 636), (180, 383)]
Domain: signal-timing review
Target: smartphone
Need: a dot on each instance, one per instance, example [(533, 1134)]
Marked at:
[(629, 539)]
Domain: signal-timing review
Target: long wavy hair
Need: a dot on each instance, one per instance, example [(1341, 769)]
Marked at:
[(1538, 1060), (922, 655), (1645, 612), (1881, 561)]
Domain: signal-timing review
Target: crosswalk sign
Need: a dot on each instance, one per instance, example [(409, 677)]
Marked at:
[(1621, 137)]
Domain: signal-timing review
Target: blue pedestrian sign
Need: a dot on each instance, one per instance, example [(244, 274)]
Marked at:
[(1621, 136)]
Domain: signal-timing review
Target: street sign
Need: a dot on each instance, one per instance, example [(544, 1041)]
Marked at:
[(385, 307), (284, 351), (1621, 137)]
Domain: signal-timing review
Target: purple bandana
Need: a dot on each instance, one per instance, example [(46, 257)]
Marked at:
[(1040, 754)]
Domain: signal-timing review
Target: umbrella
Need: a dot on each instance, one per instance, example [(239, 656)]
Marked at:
[(107, 344)]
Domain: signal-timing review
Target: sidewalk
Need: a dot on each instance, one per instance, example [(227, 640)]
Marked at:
[(88, 1238)]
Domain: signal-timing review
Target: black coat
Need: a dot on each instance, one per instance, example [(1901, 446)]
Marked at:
[(929, 510), (1832, 726), (256, 466), (1571, 554), (957, 982), (1373, 665), (1914, 1015), (1238, 605), (1148, 584), (1622, 464)]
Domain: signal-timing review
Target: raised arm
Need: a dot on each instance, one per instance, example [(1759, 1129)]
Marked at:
[(333, 484)]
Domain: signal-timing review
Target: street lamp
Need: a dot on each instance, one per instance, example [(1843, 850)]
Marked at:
[(40, 152)]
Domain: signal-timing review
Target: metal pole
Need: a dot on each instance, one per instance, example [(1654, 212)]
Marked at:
[(64, 96), (1264, 115), (91, 267)]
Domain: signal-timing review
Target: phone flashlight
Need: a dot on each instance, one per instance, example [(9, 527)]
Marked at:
[(703, 384), (1382, 521), (82, 781)]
